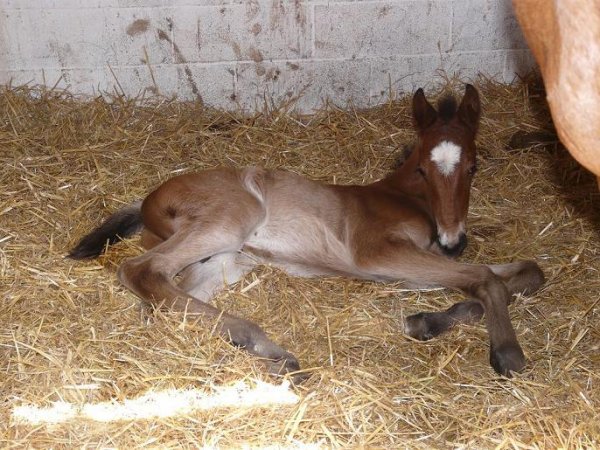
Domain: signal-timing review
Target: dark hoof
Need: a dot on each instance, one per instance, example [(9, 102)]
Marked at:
[(416, 327), (286, 365), (507, 359), (250, 337), (299, 378), (424, 326), (535, 277)]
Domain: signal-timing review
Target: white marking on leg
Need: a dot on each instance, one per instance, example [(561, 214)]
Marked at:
[(446, 156)]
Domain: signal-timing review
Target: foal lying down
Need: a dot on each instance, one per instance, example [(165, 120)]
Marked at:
[(212, 227)]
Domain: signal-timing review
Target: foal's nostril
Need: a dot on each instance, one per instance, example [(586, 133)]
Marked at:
[(457, 249)]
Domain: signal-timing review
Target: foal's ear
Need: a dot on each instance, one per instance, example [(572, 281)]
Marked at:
[(470, 108), (423, 113)]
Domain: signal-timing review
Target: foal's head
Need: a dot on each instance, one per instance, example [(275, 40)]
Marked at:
[(447, 163)]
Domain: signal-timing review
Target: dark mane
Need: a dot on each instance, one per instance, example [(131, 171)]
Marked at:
[(446, 108)]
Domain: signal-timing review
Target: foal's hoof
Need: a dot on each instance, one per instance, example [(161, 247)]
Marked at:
[(288, 364), (534, 276), (423, 326), (507, 359)]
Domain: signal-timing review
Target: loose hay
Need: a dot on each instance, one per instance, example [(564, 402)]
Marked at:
[(65, 163)]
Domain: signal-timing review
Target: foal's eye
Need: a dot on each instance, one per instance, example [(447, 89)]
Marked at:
[(421, 171), (472, 169)]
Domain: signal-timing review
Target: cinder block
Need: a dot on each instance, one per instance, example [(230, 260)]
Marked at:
[(518, 63), (57, 38), (371, 29), (213, 84), (253, 31), (81, 81), (467, 65), (138, 81), (485, 25), (403, 75), (339, 82), (139, 32)]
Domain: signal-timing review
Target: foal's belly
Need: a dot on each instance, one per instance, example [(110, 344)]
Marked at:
[(308, 229), (305, 245), (301, 246)]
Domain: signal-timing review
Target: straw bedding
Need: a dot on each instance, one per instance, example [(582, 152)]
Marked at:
[(69, 332)]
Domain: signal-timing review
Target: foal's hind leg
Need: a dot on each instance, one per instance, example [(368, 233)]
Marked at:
[(149, 239), (522, 277), (151, 276), (203, 280)]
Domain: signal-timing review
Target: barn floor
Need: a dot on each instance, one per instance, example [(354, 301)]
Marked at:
[(70, 333)]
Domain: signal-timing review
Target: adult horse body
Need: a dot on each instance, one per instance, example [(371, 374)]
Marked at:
[(564, 37), (216, 225)]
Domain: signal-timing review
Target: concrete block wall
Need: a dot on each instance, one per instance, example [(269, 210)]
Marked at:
[(240, 53)]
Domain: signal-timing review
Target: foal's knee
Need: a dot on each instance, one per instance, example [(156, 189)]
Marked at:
[(485, 281), (131, 274)]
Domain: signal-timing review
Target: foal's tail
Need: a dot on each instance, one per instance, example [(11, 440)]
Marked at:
[(124, 223)]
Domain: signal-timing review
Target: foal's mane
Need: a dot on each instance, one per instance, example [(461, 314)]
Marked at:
[(447, 108)]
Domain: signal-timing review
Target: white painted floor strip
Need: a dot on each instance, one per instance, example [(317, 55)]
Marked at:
[(155, 404)]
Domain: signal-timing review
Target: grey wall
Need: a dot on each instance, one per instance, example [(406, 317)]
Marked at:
[(237, 53)]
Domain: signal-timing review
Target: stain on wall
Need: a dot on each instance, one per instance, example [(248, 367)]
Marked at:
[(138, 26), (180, 59)]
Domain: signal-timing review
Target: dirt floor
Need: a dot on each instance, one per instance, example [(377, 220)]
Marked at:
[(70, 333)]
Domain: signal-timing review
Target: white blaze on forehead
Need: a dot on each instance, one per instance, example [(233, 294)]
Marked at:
[(446, 156)]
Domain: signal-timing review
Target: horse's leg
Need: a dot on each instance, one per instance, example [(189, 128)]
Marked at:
[(522, 277), (203, 280), (403, 260), (150, 240), (427, 325), (151, 276)]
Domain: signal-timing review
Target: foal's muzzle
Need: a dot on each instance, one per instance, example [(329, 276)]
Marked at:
[(454, 251)]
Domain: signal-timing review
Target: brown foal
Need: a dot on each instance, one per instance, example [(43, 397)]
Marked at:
[(212, 227)]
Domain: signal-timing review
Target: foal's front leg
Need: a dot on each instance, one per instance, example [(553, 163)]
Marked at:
[(521, 277), (402, 260), (427, 325)]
